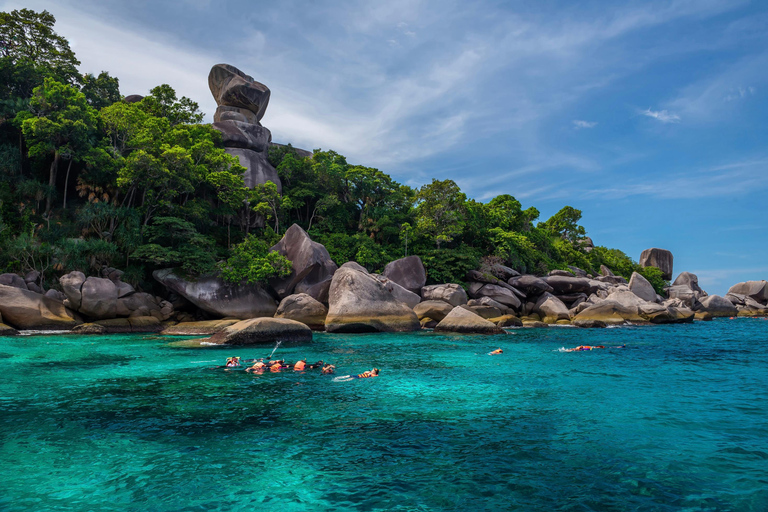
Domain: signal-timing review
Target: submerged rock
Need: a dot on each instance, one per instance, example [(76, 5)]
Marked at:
[(258, 331)]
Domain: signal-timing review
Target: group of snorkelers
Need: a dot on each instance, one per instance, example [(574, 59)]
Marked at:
[(587, 347), (277, 365)]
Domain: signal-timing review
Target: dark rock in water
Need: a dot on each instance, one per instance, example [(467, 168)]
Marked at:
[(213, 295), (235, 134), (258, 170), (233, 88), (7, 330), (227, 113), (589, 324), (641, 287), (26, 310), (434, 309), (133, 98), (531, 285), (464, 321), (89, 329), (408, 272), (313, 267), (659, 258), (305, 309), (450, 293), (758, 290), (13, 280), (259, 331), (358, 302)]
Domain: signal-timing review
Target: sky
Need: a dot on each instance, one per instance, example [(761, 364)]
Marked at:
[(651, 117)]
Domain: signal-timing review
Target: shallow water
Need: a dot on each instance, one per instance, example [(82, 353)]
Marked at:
[(677, 420)]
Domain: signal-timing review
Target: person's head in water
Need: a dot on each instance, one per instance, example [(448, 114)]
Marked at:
[(375, 372)]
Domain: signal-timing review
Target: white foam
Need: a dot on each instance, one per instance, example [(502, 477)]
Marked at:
[(34, 332)]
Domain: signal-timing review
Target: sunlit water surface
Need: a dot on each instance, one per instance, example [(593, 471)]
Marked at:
[(677, 420)]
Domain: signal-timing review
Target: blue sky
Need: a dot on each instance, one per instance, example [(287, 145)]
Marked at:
[(651, 117)]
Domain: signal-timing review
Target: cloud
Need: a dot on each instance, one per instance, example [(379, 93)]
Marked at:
[(661, 115), (739, 93), (578, 125)]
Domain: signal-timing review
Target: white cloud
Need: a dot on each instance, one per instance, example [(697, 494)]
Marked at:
[(578, 125), (661, 115), (739, 93)]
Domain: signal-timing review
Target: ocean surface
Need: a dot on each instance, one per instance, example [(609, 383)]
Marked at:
[(676, 420)]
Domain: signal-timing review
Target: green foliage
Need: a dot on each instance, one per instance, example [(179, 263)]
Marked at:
[(174, 242), (252, 262), (655, 277), (450, 266), (441, 211), (100, 91), (565, 224)]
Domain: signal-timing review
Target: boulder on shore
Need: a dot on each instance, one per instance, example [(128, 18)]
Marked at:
[(464, 321), (659, 258), (551, 309), (641, 287), (408, 272), (434, 309), (258, 331), (26, 310), (451, 293), (610, 312), (717, 306), (218, 297), (305, 309), (398, 292), (358, 302), (313, 267), (758, 290), (692, 282), (531, 285)]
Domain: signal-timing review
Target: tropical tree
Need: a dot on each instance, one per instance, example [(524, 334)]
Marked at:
[(441, 210)]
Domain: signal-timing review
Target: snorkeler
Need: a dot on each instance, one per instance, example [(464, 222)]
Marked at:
[(583, 347), (232, 362), (496, 352), (299, 366), (365, 375), (258, 367), (328, 369)]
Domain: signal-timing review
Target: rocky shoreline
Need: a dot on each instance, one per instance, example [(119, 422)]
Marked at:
[(320, 296)]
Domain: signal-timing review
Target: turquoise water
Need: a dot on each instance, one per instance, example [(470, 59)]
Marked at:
[(678, 420)]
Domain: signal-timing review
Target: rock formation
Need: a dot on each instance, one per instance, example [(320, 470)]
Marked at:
[(313, 267), (26, 310), (305, 309), (659, 258), (408, 272), (242, 102), (464, 321), (258, 331)]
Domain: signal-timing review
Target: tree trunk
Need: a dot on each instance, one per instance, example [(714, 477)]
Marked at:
[(66, 182), (52, 182)]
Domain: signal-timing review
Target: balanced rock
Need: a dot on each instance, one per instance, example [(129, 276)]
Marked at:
[(26, 310), (258, 331), (303, 308), (358, 302), (216, 296), (434, 309), (464, 321), (227, 113), (233, 88), (641, 287), (313, 267), (408, 272), (758, 290), (451, 293), (258, 170), (659, 258), (717, 306)]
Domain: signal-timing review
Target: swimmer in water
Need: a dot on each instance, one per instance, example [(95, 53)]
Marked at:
[(299, 366), (583, 347), (366, 375), (258, 367), (496, 352), (232, 362), (328, 369)]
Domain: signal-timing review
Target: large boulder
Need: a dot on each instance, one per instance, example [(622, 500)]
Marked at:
[(26, 310), (233, 88), (303, 308), (259, 331), (313, 267), (72, 285), (611, 313), (717, 306), (683, 293), (398, 292), (551, 309), (227, 113), (451, 293), (358, 302), (464, 321), (641, 287), (565, 285), (236, 134), (659, 258), (408, 272), (218, 297), (434, 309), (499, 294), (258, 170), (475, 276), (691, 281), (531, 285), (502, 271), (144, 304), (605, 271), (99, 298), (758, 290)]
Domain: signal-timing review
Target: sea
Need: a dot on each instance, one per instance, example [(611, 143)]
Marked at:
[(664, 418)]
